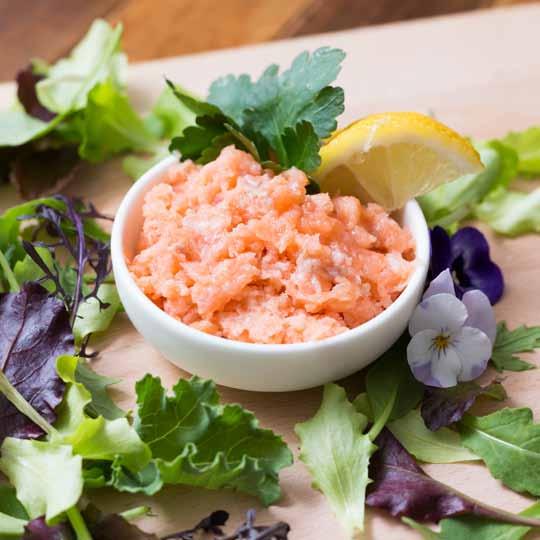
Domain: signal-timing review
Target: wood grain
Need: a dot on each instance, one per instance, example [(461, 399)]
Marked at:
[(49, 28)]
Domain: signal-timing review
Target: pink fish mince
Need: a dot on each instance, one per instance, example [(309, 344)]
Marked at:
[(243, 253)]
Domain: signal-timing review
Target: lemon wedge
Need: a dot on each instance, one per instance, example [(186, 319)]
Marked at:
[(392, 157)]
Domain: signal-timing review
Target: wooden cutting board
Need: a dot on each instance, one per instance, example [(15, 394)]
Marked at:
[(478, 73)]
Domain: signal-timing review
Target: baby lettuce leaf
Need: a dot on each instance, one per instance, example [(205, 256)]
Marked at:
[(509, 443), (94, 438), (196, 441), (453, 202), (336, 452), (444, 406), (101, 403), (443, 446), (467, 527), (13, 516), (508, 343), (109, 125), (511, 213), (26, 80), (390, 379), (402, 488), (527, 145), (47, 477), (96, 58), (35, 331)]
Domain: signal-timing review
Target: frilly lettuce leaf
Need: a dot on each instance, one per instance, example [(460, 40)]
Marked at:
[(96, 58), (196, 441), (511, 213), (527, 146)]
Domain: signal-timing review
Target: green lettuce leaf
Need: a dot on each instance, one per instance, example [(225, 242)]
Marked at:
[(94, 438), (455, 201), (96, 58), (136, 165), (109, 125), (509, 443), (196, 441), (336, 452), (13, 516), (527, 146), (91, 318), (508, 343), (467, 527), (441, 446), (511, 213), (101, 403), (17, 127), (47, 477)]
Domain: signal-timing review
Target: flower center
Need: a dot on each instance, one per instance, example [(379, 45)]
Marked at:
[(441, 342)]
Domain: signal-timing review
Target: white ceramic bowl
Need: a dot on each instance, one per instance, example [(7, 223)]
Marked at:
[(251, 366)]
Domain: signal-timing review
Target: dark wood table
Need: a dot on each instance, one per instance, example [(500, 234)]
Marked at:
[(158, 28)]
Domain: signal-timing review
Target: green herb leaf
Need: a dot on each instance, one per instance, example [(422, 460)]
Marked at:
[(101, 403), (527, 145), (96, 58), (46, 476), (109, 125), (336, 453), (425, 532), (195, 441), (508, 343), (390, 379), (509, 443), (511, 213), (302, 145)]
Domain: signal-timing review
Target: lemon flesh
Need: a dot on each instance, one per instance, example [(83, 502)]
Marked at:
[(391, 158)]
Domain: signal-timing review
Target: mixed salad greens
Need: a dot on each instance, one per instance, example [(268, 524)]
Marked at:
[(61, 434)]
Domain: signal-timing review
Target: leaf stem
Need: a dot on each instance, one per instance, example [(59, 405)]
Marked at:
[(19, 401), (8, 273), (135, 513), (78, 524), (379, 424)]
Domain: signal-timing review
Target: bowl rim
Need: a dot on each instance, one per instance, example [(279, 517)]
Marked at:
[(121, 273)]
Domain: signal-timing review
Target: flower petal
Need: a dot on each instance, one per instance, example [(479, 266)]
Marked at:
[(443, 283), (474, 350), (481, 314), (430, 365), (472, 263), (441, 312), (441, 255)]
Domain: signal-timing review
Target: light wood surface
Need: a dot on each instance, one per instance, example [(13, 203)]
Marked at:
[(478, 73), (158, 28)]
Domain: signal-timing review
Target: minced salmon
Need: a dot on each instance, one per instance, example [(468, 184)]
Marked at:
[(240, 252)]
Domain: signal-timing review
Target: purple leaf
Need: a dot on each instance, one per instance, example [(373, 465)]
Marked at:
[(34, 331), (444, 406), (38, 529), (402, 488), (210, 524), (27, 96), (42, 167)]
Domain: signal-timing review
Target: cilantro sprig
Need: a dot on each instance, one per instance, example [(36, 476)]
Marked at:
[(280, 119)]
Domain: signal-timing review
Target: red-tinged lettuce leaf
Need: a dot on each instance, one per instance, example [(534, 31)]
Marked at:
[(402, 488), (27, 96), (112, 526), (35, 330), (37, 529), (444, 406), (43, 168), (210, 524)]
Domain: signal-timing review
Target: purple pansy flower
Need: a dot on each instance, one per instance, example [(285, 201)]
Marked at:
[(466, 254), (452, 339)]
